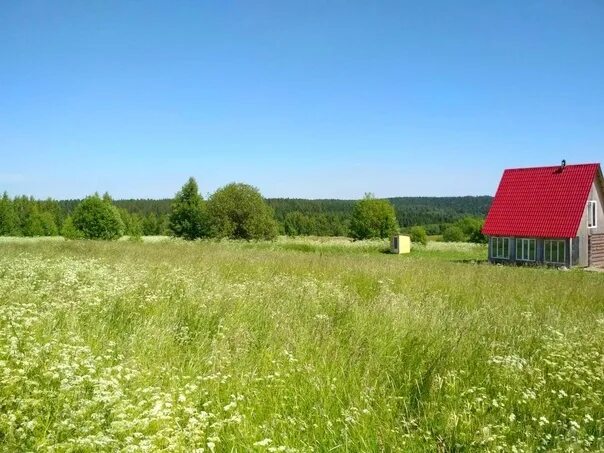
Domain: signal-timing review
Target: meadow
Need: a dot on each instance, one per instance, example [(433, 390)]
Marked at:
[(295, 345)]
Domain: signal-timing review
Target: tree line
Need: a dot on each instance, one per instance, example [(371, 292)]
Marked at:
[(455, 218)]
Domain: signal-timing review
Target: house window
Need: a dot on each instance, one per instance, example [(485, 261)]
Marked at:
[(526, 249), (592, 218), (555, 251), (500, 248)]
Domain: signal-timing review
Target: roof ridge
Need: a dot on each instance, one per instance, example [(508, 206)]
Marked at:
[(554, 166)]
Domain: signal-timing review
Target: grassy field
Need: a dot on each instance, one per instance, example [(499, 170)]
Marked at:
[(294, 345)]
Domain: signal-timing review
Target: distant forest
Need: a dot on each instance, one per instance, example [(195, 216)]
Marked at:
[(297, 216), (28, 217)]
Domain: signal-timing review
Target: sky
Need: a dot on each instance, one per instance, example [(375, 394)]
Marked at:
[(326, 99)]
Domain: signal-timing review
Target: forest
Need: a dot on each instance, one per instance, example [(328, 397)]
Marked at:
[(26, 216)]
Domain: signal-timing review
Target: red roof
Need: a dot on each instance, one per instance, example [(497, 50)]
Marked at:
[(544, 202)]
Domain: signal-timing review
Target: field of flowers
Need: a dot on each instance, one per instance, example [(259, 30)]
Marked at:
[(294, 346)]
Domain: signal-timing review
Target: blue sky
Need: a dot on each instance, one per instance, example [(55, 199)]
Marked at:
[(301, 99)]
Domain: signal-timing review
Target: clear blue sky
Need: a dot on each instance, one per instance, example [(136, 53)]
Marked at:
[(301, 99)]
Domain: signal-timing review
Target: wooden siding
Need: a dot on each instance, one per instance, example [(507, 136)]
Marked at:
[(596, 250)]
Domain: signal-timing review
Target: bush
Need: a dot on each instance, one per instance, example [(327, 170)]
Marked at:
[(418, 234), (373, 218), (238, 211), (453, 234), (188, 216), (69, 231), (471, 227), (433, 229), (97, 218)]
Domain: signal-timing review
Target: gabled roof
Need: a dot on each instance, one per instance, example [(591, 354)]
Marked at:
[(545, 202)]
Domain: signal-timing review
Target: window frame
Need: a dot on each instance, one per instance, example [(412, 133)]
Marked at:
[(505, 241), (592, 211), (550, 242), (521, 242)]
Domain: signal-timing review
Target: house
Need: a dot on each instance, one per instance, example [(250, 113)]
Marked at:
[(549, 215)]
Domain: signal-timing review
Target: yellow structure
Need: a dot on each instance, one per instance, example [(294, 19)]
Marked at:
[(400, 244)]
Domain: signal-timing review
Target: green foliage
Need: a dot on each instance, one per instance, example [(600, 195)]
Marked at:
[(373, 218), (132, 223), (453, 234), (472, 228), (49, 225), (33, 224), (295, 217), (418, 235), (238, 211), (69, 231), (25, 216), (323, 217), (433, 229), (477, 237), (97, 218), (297, 223), (188, 215), (9, 221)]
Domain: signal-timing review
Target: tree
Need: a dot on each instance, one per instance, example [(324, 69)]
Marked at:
[(418, 234), (132, 223), (188, 215), (295, 223), (49, 224), (97, 218), (238, 211), (373, 218), (477, 237), (472, 229), (69, 231), (453, 234), (9, 221)]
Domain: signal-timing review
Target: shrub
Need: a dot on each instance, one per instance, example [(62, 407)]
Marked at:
[(69, 231), (418, 234), (97, 218), (373, 218), (471, 227), (238, 211), (453, 234)]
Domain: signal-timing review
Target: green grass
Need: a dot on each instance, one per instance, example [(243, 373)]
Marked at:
[(294, 345)]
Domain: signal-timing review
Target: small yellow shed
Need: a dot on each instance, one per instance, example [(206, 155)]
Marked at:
[(400, 244)]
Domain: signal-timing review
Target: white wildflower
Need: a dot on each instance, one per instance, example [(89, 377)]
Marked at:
[(263, 443)]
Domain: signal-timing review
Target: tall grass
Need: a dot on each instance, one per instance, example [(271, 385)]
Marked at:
[(296, 345)]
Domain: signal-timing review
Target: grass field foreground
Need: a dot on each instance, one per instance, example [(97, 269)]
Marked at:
[(294, 345)]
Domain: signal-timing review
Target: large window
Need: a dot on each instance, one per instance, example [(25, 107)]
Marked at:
[(500, 248), (592, 218), (526, 249), (555, 251)]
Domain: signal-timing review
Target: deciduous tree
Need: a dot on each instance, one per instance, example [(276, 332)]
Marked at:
[(238, 211), (373, 218), (453, 234), (97, 218)]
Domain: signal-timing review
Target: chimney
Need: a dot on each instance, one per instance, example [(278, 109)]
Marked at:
[(562, 165)]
